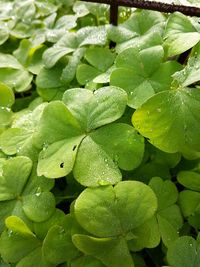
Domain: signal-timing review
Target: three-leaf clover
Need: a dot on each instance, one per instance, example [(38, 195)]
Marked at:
[(75, 136), (110, 215), (142, 73)]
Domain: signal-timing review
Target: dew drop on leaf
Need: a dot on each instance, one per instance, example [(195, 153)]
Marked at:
[(102, 182)]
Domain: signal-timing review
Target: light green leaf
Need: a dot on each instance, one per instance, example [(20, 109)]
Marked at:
[(15, 224), (145, 236), (17, 138), (34, 258), (169, 217), (94, 166), (7, 97), (141, 73), (5, 117), (189, 202), (58, 246), (92, 35), (108, 211), (14, 246), (118, 251), (190, 74), (39, 207), (93, 110), (170, 222), (100, 58), (53, 54), (88, 261), (41, 228), (59, 157), (166, 192), (170, 120), (69, 71), (15, 175), (122, 143), (13, 74), (180, 34), (86, 73), (189, 179), (60, 142), (184, 252)]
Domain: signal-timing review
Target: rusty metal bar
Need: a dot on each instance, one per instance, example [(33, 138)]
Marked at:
[(151, 5)]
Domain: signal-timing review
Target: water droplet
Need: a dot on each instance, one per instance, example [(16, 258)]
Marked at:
[(106, 160), (159, 109), (61, 231), (45, 146), (148, 112), (10, 233), (102, 182), (38, 191)]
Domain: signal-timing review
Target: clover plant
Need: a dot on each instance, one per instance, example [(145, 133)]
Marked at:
[(99, 136)]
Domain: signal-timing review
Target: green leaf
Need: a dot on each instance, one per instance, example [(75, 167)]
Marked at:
[(39, 207), (142, 73), (189, 202), (88, 261), (170, 222), (18, 184), (122, 143), (69, 71), (118, 251), (168, 216), (57, 245), (59, 156), (41, 228), (7, 97), (184, 252), (180, 34), (36, 258), (17, 138), (15, 224), (100, 58), (93, 110), (64, 137), (189, 179), (49, 78), (14, 245), (94, 166), (5, 117), (15, 175), (53, 54), (145, 236), (92, 36), (107, 211), (13, 74), (170, 120), (166, 192), (86, 73), (190, 74)]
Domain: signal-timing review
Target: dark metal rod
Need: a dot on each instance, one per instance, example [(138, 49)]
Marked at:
[(152, 5), (113, 14)]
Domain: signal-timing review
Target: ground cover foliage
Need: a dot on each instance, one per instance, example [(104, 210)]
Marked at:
[(99, 145)]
